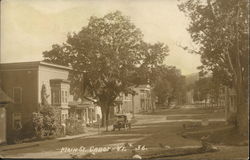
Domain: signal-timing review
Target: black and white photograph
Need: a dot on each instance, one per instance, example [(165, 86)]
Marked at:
[(124, 79)]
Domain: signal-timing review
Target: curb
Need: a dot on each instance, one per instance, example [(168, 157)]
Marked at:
[(70, 138)]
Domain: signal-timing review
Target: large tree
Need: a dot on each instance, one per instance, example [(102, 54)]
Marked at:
[(220, 30), (168, 84), (104, 55)]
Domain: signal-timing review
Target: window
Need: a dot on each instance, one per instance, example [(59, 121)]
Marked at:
[(17, 95), (66, 97), (63, 117), (62, 96), (16, 121), (55, 96)]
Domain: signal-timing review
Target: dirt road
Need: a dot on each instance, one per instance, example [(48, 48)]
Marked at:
[(150, 131)]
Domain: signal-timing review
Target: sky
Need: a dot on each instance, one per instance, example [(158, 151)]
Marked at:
[(29, 27)]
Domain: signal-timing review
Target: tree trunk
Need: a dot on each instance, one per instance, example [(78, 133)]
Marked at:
[(242, 108), (169, 101), (107, 118), (103, 116), (242, 111)]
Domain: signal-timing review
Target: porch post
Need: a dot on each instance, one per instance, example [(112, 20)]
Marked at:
[(87, 115), (133, 106)]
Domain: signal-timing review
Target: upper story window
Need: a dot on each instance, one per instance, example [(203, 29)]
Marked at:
[(62, 96), (60, 91), (55, 96), (66, 97), (17, 95)]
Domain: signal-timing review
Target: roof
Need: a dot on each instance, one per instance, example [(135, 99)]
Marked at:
[(31, 64), (57, 80), (142, 86), (90, 99), (82, 104), (4, 99)]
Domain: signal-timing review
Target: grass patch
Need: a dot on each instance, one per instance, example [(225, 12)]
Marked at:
[(219, 135)]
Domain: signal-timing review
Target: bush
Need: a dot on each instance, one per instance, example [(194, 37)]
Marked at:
[(46, 122), (75, 126), (37, 119)]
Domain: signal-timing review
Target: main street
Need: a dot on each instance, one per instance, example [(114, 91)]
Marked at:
[(152, 130)]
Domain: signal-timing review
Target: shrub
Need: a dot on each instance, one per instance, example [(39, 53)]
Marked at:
[(75, 126), (46, 122), (37, 120)]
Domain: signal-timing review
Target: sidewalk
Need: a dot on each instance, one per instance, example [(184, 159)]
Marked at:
[(90, 132)]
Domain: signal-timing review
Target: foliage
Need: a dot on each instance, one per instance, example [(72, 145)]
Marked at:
[(207, 87), (220, 30), (202, 89), (152, 59), (104, 55), (46, 121), (74, 126), (37, 119), (169, 84)]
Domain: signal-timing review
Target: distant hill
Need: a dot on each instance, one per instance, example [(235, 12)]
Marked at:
[(191, 78)]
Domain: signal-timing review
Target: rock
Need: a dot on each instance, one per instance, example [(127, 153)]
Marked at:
[(88, 155), (206, 146), (167, 147), (74, 156), (137, 156), (214, 148), (205, 122), (204, 138)]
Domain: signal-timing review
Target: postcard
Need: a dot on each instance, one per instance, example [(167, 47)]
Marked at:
[(124, 79)]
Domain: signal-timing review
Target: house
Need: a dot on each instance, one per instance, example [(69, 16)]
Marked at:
[(143, 100), (85, 110), (124, 104), (23, 83), (190, 97), (4, 101)]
